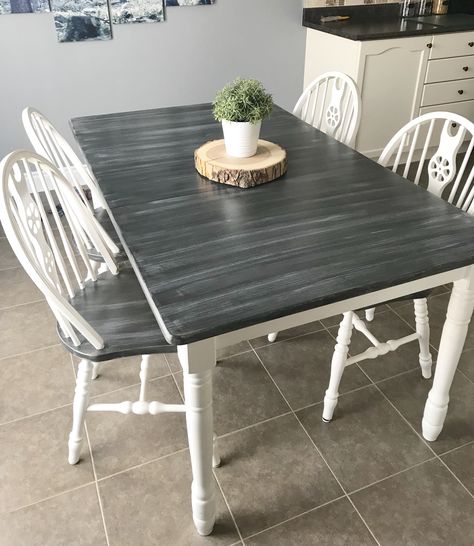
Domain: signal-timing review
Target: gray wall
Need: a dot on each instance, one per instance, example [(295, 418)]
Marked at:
[(181, 61)]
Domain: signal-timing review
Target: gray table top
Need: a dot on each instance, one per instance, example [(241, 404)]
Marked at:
[(216, 258)]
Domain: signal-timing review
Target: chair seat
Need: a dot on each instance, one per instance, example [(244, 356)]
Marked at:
[(116, 308), (104, 220)]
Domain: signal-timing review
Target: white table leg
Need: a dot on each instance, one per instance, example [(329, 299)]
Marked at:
[(198, 362), (458, 316)]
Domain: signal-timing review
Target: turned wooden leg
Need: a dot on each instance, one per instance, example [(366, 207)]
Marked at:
[(144, 368), (95, 370), (454, 333), (272, 337), (79, 408), (216, 459), (338, 364), (198, 362), (370, 314), (423, 330)]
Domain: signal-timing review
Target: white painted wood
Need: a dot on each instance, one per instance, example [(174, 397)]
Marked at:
[(460, 307), (331, 103), (216, 458), (198, 399), (339, 359), (447, 92), (140, 407), (452, 45), (272, 337), (48, 142), (370, 314), (445, 70), (30, 233), (81, 397), (423, 331), (95, 370), (144, 368)]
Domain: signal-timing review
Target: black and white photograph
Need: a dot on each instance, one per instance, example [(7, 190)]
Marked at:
[(79, 20), (23, 6), (170, 3), (137, 11)]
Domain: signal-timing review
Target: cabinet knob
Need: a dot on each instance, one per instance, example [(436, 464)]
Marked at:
[(470, 44), (460, 91), (430, 45), (465, 68)]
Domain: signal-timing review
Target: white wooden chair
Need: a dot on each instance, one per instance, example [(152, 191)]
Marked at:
[(442, 136), (49, 143), (331, 103), (99, 317)]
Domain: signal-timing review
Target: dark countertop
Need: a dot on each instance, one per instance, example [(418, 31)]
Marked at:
[(383, 21), (216, 258)]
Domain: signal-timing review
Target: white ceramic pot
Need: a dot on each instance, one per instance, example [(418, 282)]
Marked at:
[(241, 139)]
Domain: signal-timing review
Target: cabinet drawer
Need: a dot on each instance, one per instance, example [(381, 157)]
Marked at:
[(447, 92), (452, 45), (465, 109), (444, 70)]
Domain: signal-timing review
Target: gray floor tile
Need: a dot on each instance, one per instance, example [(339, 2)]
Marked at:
[(120, 373), (57, 522), (121, 441), (43, 378), (424, 505), (301, 368), (466, 363), (366, 441), (272, 472), (335, 320), (152, 505), (461, 462), (384, 327), (243, 394), (7, 257), (17, 288), (27, 328), (34, 464), (336, 524), (408, 393), (291, 332), (437, 315)]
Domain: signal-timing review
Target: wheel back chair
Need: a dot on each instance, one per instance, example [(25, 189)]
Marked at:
[(99, 317), (49, 143), (447, 174)]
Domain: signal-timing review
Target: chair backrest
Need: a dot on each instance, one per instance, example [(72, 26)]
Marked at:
[(446, 172), (40, 240), (49, 143), (331, 103)]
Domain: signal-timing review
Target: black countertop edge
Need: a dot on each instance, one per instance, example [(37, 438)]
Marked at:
[(382, 21)]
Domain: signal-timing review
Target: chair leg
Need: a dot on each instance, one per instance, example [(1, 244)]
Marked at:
[(272, 337), (95, 370), (79, 408), (423, 330), (370, 314), (216, 459), (144, 376), (338, 364)]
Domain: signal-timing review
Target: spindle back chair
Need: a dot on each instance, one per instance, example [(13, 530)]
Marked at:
[(331, 103)]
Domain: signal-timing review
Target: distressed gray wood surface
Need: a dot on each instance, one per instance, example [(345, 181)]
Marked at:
[(216, 258)]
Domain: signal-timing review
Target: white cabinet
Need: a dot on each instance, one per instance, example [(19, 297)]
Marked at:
[(399, 79)]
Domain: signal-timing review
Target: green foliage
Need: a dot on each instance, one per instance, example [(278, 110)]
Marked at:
[(243, 101)]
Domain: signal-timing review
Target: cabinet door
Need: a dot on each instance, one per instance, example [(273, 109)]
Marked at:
[(391, 76)]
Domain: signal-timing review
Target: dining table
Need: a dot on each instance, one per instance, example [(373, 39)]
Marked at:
[(220, 264)]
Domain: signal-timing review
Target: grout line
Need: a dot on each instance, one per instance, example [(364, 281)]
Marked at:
[(228, 508), (9, 307), (256, 424), (321, 455), (152, 380), (295, 517), (134, 467), (463, 373), (277, 341), (45, 499), (392, 475), (32, 351), (456, 448), (35, 414)]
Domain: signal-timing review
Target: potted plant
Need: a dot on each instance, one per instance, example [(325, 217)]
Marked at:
[(241, 106)]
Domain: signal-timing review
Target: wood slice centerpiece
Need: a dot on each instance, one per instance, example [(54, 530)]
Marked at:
[(268, 164)]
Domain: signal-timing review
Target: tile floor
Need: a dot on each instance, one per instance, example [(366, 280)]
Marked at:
[(286, 478)]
